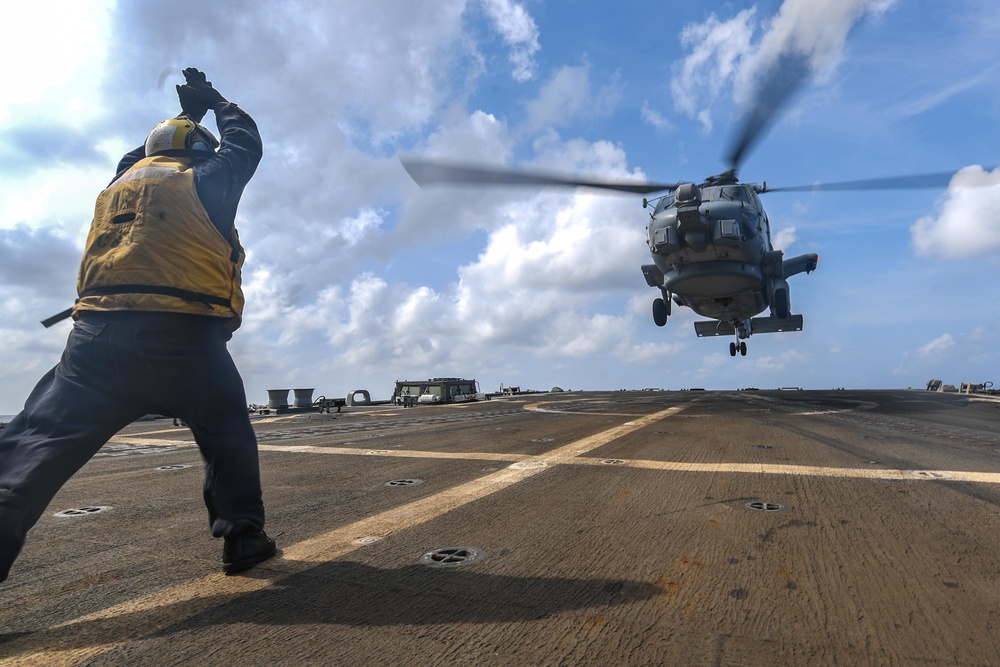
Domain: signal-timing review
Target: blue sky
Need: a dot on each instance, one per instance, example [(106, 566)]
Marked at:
[(356, 277)]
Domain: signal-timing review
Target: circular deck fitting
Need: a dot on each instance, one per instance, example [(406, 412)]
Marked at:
[(452, 556), (82, 511), (404, 482), (762, 506), (613, 462), (175, 466), (367, 540)]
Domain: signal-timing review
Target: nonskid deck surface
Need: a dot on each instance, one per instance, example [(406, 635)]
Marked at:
[(626, 528)]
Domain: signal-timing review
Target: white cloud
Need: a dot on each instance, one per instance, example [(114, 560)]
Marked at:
[(804, 34), (54, 83), (967, 222), (778, 363), (939, 97), (569, 96), (936, 346), (784, 238), (717, 50), (519, 32), (655, 118), (355, 276), (354, 229)]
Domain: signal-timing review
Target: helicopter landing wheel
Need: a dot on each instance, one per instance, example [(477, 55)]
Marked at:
[(732, 349), (660, 312), (743, 348)]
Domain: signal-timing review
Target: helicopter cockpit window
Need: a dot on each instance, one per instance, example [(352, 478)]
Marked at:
[(725, 193), (735, 193), (666, 201)]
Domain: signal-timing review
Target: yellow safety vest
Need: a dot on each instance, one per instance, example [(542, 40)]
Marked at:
[(152, 247)]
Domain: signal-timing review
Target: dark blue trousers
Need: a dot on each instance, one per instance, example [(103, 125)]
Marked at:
[(116, 368)]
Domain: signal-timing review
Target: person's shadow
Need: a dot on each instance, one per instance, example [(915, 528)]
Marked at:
[(353, 594)]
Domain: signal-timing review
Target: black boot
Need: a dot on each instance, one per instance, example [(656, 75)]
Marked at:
[(244, 550)]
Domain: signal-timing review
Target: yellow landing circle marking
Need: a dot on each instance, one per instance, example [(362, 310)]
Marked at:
[(169, 606)]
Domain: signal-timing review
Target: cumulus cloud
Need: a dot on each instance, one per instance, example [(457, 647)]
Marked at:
[(967, 222), (784, 238), (519, 32), (804, 37), (717, 51), (355, 276)]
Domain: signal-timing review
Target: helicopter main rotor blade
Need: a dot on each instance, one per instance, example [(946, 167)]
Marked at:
[(774, 90), (432, 172), (914, 182)]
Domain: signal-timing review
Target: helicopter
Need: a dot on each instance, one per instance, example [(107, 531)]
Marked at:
[(710, 242)]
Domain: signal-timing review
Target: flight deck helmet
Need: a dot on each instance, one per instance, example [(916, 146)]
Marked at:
[(180, 134)]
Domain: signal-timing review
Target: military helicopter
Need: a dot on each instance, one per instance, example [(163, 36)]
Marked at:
[(710, 242)]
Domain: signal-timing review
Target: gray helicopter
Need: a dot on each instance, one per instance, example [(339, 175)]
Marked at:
[(710, 242)]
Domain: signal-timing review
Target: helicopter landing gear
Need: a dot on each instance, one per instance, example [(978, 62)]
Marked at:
[(741, 348), (660, 312)]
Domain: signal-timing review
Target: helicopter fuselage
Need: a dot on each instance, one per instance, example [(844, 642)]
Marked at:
[(712, 252)]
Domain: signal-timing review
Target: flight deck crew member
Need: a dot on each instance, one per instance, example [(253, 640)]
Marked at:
[(159, 296)]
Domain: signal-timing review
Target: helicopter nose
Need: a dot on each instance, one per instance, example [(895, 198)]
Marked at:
[(696, 239)]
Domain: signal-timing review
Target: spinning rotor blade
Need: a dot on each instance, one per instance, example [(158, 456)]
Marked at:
[(774, 90), (915, 182), (428, 172)]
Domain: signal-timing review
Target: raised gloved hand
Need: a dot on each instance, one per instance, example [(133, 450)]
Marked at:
[(192, 104), (197, 96)]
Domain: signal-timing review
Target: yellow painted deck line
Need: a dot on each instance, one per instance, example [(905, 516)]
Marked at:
[(402, 453), (318, 549), (524, 461), (159, 442), (805, 471), (143, 437), (172, 605)]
